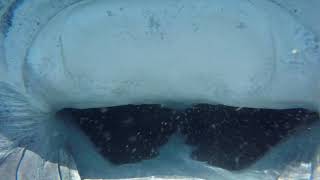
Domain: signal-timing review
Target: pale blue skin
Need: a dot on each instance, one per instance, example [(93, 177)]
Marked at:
[(175, 52), (167, 52)]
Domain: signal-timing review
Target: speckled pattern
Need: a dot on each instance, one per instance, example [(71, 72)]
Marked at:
[(127, 134), (228, 137), (234, 138)]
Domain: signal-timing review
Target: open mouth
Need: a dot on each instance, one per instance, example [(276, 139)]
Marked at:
[(159, 89), (215, 135)]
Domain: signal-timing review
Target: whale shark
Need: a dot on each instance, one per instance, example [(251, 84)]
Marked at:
[(57, 54)]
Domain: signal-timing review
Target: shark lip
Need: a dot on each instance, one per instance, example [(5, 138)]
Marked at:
[(42, 45)]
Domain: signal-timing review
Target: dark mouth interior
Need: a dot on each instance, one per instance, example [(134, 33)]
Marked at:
[(228, 137)]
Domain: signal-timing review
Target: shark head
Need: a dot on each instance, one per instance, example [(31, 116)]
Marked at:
[(87, 54)]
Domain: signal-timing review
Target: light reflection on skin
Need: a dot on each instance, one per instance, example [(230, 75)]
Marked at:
[(15, 50)]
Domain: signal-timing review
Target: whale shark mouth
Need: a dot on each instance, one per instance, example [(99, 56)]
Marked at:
[(177, 89), (215, 135)]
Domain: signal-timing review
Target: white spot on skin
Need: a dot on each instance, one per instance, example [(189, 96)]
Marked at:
[(294, 51)]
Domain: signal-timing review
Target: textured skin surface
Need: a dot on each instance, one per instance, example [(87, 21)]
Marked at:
[(161, 53)]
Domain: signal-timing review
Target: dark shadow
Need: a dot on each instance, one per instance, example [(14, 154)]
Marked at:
[(228, 137)]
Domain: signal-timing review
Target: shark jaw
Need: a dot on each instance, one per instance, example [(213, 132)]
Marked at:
[(97, 53)]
